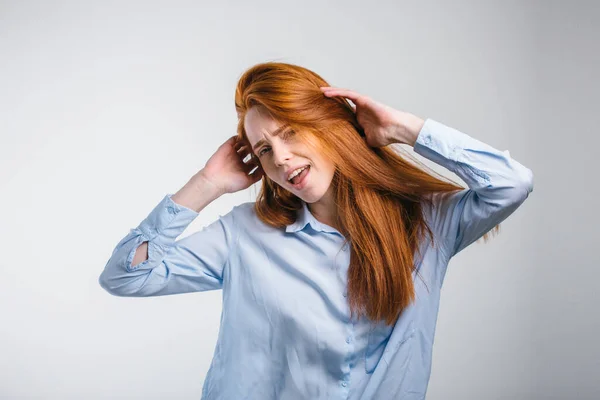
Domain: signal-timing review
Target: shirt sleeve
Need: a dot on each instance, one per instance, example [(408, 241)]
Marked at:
[(192, 264), (497, 185)]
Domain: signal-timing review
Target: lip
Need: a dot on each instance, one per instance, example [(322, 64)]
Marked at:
[(290, 170), (300, 185)]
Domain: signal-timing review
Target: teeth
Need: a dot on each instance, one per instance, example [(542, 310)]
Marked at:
[(296, 172)]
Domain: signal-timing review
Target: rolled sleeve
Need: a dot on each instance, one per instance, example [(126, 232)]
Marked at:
[(190, 264)]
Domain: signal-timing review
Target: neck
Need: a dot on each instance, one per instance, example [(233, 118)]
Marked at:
[(324, 210)]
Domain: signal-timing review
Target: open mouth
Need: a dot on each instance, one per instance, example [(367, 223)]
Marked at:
[(300, 180)]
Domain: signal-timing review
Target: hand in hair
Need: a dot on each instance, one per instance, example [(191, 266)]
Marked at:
[(383, 125)]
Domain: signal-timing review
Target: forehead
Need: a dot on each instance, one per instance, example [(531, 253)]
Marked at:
[(259, 124)]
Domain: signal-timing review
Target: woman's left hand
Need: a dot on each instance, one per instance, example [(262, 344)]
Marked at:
[(382, 124)]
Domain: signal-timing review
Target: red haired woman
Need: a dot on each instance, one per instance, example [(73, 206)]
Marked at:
[(331, 279)]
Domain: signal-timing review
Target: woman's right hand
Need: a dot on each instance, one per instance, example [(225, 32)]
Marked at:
[(227, 170)]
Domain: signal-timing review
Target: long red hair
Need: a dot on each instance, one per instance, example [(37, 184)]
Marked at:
[(379, 194)]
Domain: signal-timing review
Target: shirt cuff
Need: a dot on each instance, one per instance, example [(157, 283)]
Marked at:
[(438, 141), (166, 222)]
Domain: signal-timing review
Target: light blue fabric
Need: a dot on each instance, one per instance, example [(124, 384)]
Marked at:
[(285, 330)]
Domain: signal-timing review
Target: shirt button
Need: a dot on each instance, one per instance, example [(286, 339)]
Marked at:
[(348, 340), (345, 294), (345, 247), (344, 384)]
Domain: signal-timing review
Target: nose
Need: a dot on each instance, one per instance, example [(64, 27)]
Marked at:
[(281, 154)]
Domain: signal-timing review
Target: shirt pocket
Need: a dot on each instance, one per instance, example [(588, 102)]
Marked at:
[(381, 337)]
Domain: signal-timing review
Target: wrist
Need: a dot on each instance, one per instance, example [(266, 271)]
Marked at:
[(197, 193), (201, 181), (408, 128)]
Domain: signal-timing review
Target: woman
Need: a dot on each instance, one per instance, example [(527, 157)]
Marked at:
[(331, 279)]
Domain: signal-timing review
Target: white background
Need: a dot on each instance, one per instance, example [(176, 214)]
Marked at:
[(107, 106)]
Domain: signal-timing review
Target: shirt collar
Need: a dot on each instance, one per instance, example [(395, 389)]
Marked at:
[(304, 217)]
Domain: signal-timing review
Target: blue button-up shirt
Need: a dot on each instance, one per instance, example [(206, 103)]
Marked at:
[(285, 330)]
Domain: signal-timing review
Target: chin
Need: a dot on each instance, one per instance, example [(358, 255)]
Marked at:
[(311, 197)]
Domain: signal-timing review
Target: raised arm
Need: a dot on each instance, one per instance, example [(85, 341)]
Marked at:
[(497, 185), (194, 263), (150, 262)]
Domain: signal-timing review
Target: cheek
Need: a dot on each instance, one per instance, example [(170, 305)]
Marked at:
[(271, 172)]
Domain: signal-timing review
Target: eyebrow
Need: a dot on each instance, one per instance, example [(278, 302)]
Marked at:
[(275, 133)]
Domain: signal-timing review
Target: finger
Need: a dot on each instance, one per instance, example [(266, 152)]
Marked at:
[(254, 169), (241, 145), (331, 91), (249, 160), (348, 94), (247, 154), (253, 160), (238, 145), (257, 175)]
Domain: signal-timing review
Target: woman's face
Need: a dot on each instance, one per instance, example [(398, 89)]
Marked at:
[(284, 152)]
